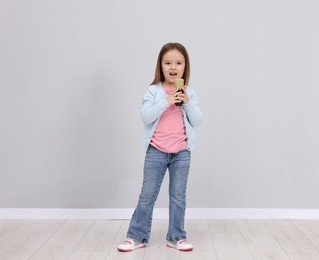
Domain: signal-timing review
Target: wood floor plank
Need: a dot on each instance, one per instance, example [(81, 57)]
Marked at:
[(63, 242), (260, 241), (80, 256), (161, 252), (228, 241), (307, 226), (97, 256), (157, 248), (88, 256), (99, 239), (310, 228), (292, 240), (198, 233), (303, 256), (158, 233), (28, 241), (10, 230), (195, 254), (223, 227)]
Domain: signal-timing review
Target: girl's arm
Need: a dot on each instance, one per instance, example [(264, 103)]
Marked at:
[(151, 110), (193, 112)]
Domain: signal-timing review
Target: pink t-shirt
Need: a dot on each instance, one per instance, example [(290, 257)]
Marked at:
[(169, 135)]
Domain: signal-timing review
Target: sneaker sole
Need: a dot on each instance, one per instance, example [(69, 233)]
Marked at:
[(180, 249), (130, 250)]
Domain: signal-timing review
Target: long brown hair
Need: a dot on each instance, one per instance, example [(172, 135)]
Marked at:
[(159, 76)]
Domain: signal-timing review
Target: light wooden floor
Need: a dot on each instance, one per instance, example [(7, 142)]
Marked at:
[(212, 239)]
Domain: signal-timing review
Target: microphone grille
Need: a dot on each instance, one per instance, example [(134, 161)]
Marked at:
[(179, 83)]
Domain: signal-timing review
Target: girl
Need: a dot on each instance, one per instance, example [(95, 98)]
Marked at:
[(168, 140)]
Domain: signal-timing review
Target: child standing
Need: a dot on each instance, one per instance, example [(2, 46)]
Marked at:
[(168, 140)]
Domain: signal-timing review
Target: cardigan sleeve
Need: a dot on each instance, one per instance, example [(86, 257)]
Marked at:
[(152, 109), (192, 109)]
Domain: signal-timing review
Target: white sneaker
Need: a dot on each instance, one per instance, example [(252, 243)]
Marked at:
[(130, 245), (181, 245)]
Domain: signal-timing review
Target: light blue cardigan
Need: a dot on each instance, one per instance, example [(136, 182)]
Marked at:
[(155, 103)]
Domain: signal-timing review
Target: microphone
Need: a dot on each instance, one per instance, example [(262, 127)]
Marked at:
[(179, 85)]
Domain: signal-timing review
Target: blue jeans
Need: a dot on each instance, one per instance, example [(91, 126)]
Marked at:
[(155, 166)]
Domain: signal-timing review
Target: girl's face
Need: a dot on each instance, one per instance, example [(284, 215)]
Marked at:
[(173, 66)]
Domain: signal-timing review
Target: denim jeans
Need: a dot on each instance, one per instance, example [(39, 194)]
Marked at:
[(155, 166)]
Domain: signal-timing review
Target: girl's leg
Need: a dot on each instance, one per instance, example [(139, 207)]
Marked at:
[(155, 166), (178, 174)]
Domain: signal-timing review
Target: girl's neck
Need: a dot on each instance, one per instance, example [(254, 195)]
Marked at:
[(167, 85)]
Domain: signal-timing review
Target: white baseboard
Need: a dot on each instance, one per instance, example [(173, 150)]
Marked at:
[(159, 213)]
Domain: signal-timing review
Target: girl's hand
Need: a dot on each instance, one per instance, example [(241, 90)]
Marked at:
[(174, 97), (184, 96), (177, 96)]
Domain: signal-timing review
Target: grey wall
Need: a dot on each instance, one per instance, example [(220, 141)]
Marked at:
[(72, 77)]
